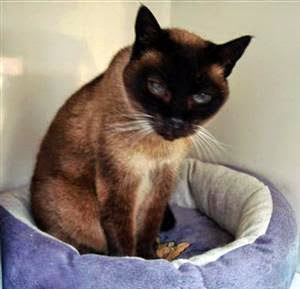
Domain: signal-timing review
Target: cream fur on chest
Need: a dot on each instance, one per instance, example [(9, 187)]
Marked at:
[(144, 167)]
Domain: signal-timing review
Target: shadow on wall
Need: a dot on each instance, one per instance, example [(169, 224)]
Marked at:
[(52, 65)]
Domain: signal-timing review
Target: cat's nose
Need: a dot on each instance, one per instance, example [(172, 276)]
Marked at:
[(176, 123)]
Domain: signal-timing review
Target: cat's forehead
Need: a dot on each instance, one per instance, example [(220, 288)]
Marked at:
[(178, 48), (185, 52), (187, 39)]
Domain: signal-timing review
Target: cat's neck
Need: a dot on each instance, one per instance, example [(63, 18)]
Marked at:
[(113, 88)]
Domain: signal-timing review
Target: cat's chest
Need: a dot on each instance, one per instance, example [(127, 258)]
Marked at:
[(145, 165), (146, 169), (142, 164)]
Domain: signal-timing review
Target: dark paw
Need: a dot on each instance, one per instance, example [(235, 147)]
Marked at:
[(169, 220), (115, 253), (147, 253)]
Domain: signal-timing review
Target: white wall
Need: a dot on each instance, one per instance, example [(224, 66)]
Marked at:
[(55, 48), (261, 120)]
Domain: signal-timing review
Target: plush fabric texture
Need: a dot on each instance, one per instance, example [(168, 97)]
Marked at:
[(243, 235), (237, 202)]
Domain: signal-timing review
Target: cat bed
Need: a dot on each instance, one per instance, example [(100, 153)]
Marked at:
[(243, 236)]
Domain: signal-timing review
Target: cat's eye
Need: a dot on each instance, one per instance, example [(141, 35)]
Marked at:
[(202, 98), (156, 87)]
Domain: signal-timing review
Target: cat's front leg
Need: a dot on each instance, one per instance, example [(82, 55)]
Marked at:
[(163, 182), (118, 218)]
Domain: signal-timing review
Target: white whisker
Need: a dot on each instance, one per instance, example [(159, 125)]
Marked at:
[(128, 126), (138, 116), (197, 147), (208, 143), (209, 155), (213, 143), (212, 138), (140, 135), (211, 152)]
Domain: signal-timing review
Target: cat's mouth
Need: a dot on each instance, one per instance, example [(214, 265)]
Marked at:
[(171, 135)]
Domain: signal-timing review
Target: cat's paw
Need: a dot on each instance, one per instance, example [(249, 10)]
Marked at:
[(169, 220), (115, 253), (147, 254)]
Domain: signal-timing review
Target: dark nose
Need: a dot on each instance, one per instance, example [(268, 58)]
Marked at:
[(176, 123)]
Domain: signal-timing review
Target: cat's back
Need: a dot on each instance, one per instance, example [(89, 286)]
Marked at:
[(70, 127), (72, 140), (81, 115)]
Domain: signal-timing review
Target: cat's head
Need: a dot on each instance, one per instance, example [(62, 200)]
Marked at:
[(177, 80)]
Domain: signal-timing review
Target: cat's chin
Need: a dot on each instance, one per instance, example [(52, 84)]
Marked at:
[(170, 137)]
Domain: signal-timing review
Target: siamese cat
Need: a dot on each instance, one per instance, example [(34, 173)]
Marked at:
[(108, 163)]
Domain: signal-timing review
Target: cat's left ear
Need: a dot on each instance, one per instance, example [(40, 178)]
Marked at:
[(147, 30), (230, 52)]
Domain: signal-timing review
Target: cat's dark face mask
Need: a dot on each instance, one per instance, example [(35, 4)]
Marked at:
[(175, 79)]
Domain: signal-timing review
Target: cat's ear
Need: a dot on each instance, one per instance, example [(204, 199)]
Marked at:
[(147, 30), (230, 52)]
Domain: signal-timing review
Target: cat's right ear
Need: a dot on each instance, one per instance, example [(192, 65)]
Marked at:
[(147, 31)]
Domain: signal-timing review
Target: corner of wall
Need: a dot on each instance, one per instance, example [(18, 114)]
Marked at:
[(1, 97)]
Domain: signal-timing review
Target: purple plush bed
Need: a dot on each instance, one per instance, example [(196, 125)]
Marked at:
[(243, 236)]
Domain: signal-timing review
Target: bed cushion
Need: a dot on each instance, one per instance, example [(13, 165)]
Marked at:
[(243, 235)]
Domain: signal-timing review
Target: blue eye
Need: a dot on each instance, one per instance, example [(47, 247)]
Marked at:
[(156, 87), (202, 98)]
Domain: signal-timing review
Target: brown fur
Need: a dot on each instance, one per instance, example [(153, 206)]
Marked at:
[(186, 38), (86, 188)]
